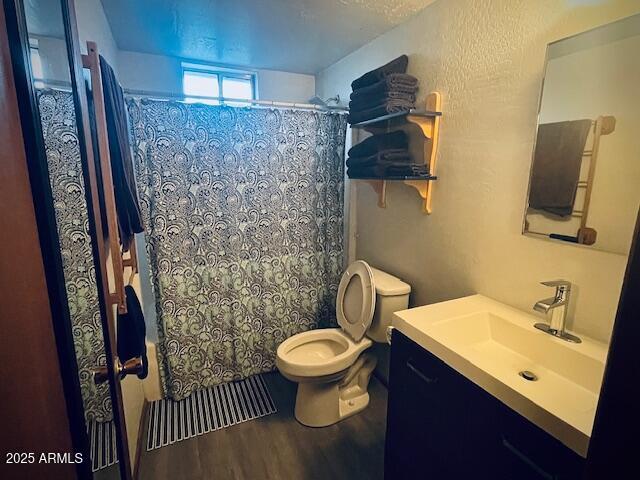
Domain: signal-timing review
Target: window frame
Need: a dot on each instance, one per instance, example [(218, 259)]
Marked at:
[(34, 50), (221, 73)]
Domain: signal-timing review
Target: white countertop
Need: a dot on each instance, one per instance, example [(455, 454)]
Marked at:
[(489, 343)]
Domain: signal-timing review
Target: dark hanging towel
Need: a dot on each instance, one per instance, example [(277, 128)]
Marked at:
[(132, 332), (124, 181), (556, 165)]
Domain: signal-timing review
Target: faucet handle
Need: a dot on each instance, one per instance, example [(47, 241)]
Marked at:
[(565, 285)]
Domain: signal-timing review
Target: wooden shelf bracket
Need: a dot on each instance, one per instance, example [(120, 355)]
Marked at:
[(380, 187)]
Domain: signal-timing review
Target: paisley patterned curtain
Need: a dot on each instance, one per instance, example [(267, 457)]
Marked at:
[(72, 219), (244, 215)]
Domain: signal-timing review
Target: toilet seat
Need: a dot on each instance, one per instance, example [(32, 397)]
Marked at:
[(356, 300), (329, 351), (315, 353)]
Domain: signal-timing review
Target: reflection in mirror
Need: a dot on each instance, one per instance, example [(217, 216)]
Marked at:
[(52, 81), (586, 164)]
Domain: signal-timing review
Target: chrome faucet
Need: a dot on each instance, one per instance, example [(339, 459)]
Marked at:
[(558, 306)]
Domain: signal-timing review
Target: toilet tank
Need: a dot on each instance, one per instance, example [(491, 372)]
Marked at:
[(392, 295)]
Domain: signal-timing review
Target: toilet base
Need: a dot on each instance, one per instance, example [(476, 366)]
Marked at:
[(322, 404)]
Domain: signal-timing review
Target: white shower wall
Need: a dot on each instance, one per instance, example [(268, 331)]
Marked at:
[(93, 26)]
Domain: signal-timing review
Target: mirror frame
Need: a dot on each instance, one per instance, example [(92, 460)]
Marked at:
[(46, 223), (542, 236)]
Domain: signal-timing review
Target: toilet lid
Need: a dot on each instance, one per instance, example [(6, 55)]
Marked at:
[(356, 300)]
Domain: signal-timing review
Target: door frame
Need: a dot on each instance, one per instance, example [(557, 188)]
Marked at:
[(47, 230), (46, 224), (614, 444)]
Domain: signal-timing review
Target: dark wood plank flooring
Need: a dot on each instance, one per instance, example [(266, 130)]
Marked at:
[(278, 447)]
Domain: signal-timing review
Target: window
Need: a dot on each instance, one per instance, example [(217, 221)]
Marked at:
[(206, 81), (200, 84)]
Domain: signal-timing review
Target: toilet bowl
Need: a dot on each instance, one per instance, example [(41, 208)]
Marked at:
[(331, 365)]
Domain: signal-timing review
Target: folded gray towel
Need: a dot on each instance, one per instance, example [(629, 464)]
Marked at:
[(398, 65), (371, 101), (380, 143), (395, 82), (400, 156), (386, 171), (390, 106), (406, 170)]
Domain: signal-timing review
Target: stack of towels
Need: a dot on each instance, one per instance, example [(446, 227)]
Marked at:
[(383, 156), (387, 89)]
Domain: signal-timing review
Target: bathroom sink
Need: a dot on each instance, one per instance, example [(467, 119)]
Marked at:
[(552, 382)]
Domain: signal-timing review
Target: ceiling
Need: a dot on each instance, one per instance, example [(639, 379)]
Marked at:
[(303, 36)]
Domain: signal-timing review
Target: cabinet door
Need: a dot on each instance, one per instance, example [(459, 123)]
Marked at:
[(415, 424), (439, 425), (529, 453)]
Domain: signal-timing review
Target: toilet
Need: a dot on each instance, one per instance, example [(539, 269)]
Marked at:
[(332, 366)]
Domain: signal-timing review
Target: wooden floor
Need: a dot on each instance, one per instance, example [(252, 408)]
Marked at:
[(278, 447)]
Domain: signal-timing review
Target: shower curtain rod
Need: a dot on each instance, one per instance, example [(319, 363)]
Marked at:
[(163, 95), (57, 84), (266, 103)]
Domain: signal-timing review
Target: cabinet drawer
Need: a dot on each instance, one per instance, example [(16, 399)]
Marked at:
[(421, 372)]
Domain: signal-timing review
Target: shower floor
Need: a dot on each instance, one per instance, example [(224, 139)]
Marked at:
[(278, 447)]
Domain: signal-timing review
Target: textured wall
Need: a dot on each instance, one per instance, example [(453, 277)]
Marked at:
[(486, 57), (93, 26), (285, 86)]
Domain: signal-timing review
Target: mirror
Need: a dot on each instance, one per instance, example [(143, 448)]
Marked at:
[(51, 78), (586, 164)]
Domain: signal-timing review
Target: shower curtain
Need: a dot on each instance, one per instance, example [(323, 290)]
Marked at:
[(244, 216), (58, 121)]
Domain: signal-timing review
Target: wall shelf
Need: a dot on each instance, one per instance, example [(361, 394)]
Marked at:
[(428, 122), (387, 121), (402, 177)]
